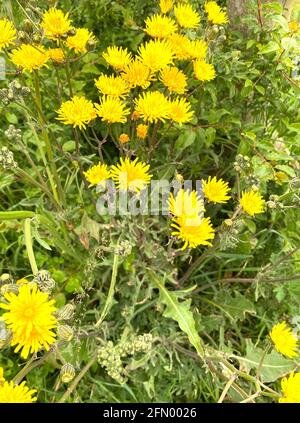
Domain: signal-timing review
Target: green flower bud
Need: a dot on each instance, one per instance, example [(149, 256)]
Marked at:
[(67, 373), (65, 332), (66, 312)]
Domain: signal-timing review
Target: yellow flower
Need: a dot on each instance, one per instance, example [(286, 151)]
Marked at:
[(284, 340), (186, 203), (180, 45), (174, 79), (131, 175), (252, 202), (204, 71), (77, 112), (136, 74), (117, 57), (97, 174), (112, 110), (160, 26), (166, 5), (56, 54), (21, 281), (114, 86), (135, 115), (11, 393), (293, 25), (215, 14), (29, 57), (194, 231), (55, 23), (2, 379), (186, 16), (179, 111), (79, 41), (156, 54), (197, 49), (152, 106), (30, 317), (216, 190), (290, 388), (124, 138), (141, 131), (8, 33)]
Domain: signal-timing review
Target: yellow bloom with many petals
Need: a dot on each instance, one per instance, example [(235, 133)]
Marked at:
[(197, 49), (193, 231), (252, 203), (8, 33), (131, 175), (284, 340), (112, 110), (179, 111), (97, 174), (293, 26), (79, 41), (117, 57), (152, 106), (174, 79), (186, 16), (160, 26), (141, 131), (11, 393), (156, 54), (290, 387), (29, 57), (204, 71), (216, 190), (124, 138), (114, 86), (56, 54), (29, 315), (136, 74), (166, 5), (180, 45), (186, 203), (77, 112), (55, 23), (215, 14)]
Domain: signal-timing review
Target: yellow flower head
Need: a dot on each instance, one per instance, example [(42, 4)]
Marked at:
[(194, 231), (114, 86), (215, 14), (11, 393), (216, 190), (21, 281), (293, 25), (180, 45), (29, 315), (97, 174), (166, 5), (135, 115), (112, 110), (55, 23), (180, 111), (131, 175), (29, 57), (79, 41), (8, 33), (290, 388), (174, 79), (117, 57), (204, 71), (124, 138), (160, 26), (77, 112), (186, 203), (136, 74), (252, 203), (284, 340), (156, 54), (186, 16), (56, 54), (141, 131), (152, 106), (197, 49)]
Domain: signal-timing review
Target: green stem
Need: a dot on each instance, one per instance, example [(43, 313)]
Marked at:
[(29, 248)]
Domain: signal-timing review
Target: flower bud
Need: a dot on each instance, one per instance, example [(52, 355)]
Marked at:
[(66, 312), (67, 373), (9, 287), (65, 332)]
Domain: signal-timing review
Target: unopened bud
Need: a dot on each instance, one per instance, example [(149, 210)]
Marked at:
[(67, 373), (66, 312), (9, 287), (65, 332)]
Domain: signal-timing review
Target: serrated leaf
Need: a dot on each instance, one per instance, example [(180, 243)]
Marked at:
[(179, 311)]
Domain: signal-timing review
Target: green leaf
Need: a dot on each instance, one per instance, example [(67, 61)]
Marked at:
[(210, 135), (237, 306), (90, 68), (185, 139), (11, 118), (69, 146), (271, 47), (273, 366), (179, 311), (73, 284)]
